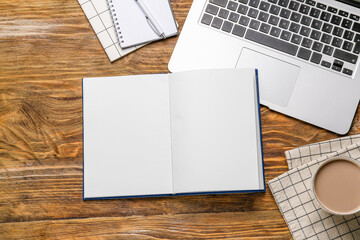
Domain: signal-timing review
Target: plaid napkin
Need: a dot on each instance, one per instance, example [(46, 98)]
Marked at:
[(298, 156), (291, 190)]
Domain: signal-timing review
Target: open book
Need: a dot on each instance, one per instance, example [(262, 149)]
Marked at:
[(177, 133)]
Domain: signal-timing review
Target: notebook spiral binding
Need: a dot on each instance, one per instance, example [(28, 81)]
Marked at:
[(117, 28)]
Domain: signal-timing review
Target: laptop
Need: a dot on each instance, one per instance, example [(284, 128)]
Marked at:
[(307, 53)]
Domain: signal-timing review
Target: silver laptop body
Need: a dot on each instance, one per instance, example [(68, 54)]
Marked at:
[(298, 77)]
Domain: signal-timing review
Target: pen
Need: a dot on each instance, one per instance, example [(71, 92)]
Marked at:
[(152, 22)]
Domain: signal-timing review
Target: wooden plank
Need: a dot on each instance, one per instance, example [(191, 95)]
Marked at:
[(33, 192), (184, 226)]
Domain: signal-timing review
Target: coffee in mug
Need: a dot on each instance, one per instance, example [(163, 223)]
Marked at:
[(336, 185)]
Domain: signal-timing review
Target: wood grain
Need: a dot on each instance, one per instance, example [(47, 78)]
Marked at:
[(46, 48)]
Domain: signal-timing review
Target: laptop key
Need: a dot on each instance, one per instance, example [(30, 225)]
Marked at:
[(284, 23), (254, 3), (357, 48), (357, 38), (263, 16), (304, 9), (325, 64), (326, 38), (285, 35), (295, 17), (314, 13), (346, 23), (221, 3), (347, 46), (254, 24), (337, 31), (271, 42), (347, 57), (332, 10), (337, 65), (316, 24), (273, 1), (348, 35), (242, 9), (327, 28), (212, 9), (264, 6), (328, 50), (206, 19), (265, 28), (285, 13), (336, 68), (216, 23), (227, 26), (238, 30), (354, 17), (283, 3), (273, 20), (315, 34), (274, 9), (356, 27), (275, 31), (306, 42), (325, 16), (335, 20), (234, 17), (232, 5), (305, 20), (294, 27), (294, 5), (321, 6), (343, 13), (336, 42), (296, 39), (243, 1), (317, 46), (316, 58), (223, 13), (244, 20), (347, 71), (310, 2), (253, 13), (304, 53)]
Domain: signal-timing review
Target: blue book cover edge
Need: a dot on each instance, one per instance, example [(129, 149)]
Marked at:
[(261, 142)]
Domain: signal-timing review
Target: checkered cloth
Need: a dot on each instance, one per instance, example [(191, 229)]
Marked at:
[(291, 190), (298, 156)]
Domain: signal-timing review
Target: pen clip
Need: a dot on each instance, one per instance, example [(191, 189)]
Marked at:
[(154, 29)]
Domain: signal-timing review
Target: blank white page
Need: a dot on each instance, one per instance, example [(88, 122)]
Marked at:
[(132, 26), (127, 145), (215, 143)]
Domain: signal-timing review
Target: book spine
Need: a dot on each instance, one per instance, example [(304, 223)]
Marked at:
[(115, 19)]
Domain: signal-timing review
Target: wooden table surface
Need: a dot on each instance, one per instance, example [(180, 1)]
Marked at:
[(46, 48)]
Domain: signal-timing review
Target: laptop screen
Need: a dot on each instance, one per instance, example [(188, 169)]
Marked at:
[(355, 3)]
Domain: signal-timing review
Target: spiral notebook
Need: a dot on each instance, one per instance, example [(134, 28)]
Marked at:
[(99, 16), (132, 26)]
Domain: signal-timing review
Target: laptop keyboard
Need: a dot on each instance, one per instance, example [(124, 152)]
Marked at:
[(309, 30)]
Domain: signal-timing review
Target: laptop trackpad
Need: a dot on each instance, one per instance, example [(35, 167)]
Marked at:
[(276, 78)]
